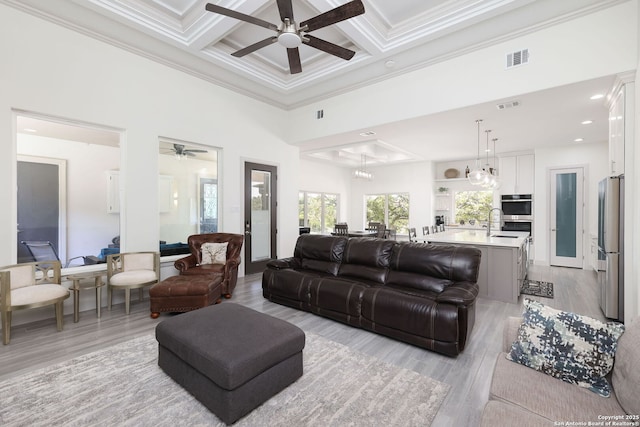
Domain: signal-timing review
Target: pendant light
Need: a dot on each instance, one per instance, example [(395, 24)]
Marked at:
[(487, 180), (496, 178), (362, 172), (476, 176)]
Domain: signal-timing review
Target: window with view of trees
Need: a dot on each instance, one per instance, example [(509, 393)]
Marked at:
[(390, 209), (318, 211), (472, 205)]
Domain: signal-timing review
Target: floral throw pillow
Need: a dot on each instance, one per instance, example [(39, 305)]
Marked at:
[(576, 349), (214, 253)]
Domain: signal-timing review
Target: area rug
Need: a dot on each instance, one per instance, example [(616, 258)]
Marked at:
[(537, 288), (122, 385)]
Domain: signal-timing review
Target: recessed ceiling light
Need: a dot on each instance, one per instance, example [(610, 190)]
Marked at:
[(368, 133), (587, 122), (578, 140), (30, 130), (597, 96)]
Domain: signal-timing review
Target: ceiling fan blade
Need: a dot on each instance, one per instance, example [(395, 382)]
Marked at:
[(294, 60), (241, 16), (340, 13), (286, 9), (247, 50), (188, 150), (328, 47)]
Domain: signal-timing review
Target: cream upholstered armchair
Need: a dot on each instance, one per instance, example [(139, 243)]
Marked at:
[(131, 270), (30, 285)]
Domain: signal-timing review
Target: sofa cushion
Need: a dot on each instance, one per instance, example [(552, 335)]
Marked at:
[(546, 396), (449, 262), (367, 258), (412, 314), (337, 295), (320, 253), (626, 370), (576, 349)]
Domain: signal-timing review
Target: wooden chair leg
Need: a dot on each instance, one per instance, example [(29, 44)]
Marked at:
[(6, 327), (59, 308), (127, 300), (109, 297)]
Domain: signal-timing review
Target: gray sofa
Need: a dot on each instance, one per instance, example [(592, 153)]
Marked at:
[(525, 397)]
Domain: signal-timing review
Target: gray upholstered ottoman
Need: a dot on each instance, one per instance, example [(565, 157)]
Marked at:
[(230, 357)]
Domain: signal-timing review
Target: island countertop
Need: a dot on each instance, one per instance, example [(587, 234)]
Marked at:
[(509, 239)]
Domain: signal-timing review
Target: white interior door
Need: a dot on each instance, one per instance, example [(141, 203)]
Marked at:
[(566, 217)]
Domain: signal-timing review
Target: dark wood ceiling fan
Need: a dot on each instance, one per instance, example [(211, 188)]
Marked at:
[(291, 35)]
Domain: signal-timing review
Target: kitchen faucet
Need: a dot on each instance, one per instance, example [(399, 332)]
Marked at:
[(489, 219)]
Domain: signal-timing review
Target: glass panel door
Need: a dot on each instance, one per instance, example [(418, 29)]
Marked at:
[(566, 213), (260, 216)]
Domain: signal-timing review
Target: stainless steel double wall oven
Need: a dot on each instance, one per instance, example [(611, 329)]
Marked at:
[(517, 210)]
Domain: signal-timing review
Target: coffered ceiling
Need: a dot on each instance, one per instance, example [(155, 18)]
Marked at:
[(391, 37)]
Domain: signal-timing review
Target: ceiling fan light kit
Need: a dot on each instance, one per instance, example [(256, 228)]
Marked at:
[(291, 36)]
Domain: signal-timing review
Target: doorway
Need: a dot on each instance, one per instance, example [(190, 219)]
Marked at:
[(566, 213), (260, 216), (41, 212)]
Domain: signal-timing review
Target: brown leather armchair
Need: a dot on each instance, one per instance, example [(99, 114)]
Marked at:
[(192, 264)]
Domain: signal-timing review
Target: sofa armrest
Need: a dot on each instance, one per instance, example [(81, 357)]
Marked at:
[(280, 264), (460, 293), (185, 263), (510, 332)]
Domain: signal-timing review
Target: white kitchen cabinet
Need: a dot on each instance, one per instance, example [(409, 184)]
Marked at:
[(616, 133), (517, 174)]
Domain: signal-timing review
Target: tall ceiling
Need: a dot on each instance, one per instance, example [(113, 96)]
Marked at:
[(390, 38)]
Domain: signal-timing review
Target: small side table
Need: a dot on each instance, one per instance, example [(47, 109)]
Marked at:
[(77, 285)]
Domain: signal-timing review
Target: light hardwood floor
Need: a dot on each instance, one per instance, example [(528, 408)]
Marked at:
[(38, 344)]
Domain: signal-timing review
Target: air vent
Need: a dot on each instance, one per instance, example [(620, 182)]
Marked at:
[(519, 57), (509, 104)]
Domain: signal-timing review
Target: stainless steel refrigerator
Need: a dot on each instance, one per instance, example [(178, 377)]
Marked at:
[(611, 246)]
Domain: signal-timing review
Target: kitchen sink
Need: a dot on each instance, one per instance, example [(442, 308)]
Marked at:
[(502, 235)]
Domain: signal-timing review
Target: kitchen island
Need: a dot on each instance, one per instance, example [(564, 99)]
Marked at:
[(503, 266)]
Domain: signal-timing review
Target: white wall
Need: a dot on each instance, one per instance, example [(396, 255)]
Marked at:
[(595, 159), (55, 71), (595, 45)]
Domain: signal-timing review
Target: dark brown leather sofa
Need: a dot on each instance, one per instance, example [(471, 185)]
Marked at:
[(191, 265), (413, 292)]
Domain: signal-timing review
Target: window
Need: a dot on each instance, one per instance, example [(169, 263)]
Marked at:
[(472, 205), (318, 211), (391, 209)]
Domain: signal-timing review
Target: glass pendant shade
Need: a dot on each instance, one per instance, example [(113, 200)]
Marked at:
[(476, 176)]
